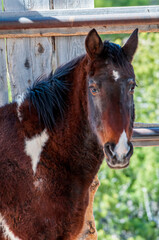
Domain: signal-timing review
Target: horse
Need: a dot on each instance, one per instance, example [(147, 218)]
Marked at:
[(54, 137)]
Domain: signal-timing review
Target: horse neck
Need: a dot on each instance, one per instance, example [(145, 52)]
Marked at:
[(72, 140), (78, 97), (75, 134), (76, 114)]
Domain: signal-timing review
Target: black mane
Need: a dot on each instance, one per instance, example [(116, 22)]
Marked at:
[(49, 95), (115, 53)]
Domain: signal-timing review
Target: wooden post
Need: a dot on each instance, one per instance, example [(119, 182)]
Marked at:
[(89, 231), (69, 47), (28, 58), (3, 71), (66, 49)]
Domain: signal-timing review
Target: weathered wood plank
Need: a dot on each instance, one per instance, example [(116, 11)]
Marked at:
[(69, 4), (3, 72), (69, 47), (27, 58), (23, 5), (83, 31), (3, 75)]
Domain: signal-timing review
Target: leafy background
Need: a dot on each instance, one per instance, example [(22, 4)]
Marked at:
[(127, 202)]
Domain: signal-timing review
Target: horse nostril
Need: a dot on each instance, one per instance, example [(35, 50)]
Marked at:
[(129, 154), (109, 149)]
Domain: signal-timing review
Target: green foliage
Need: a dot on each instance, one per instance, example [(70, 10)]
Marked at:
[(2, 4), (146, 67), (115, 3), (122, 3), (126, 203)]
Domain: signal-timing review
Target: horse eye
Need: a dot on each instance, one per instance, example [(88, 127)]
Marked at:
[(132, 87), (94, 90)]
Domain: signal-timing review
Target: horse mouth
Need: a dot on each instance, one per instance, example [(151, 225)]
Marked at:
[(113, 161), (117, 165)]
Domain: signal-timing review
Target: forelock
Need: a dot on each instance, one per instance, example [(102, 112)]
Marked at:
[(115, 53)]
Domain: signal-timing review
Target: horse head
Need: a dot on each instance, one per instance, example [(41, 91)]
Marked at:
[(111, 84)]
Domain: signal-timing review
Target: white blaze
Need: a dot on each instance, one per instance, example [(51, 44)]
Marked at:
[(122, 147), (116, 75), (34, 147), (7, 233)]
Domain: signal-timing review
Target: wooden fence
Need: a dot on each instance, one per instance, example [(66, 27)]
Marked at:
[(36, 36)]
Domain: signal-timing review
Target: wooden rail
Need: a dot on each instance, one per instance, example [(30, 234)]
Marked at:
[(71, 22), (145, 134)]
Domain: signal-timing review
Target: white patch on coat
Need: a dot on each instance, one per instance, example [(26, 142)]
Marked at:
[(34, 147), (7, 233), (122, 147), (116, 75), (19, 100), (38, 184)]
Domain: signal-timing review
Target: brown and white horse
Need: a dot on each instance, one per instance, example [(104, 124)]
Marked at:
[(54, 138)]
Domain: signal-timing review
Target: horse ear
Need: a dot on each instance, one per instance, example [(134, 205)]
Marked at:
[(93, 44), (131, 45)]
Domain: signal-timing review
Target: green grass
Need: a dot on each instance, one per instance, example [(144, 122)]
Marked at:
[(2, 3), (8, 79)]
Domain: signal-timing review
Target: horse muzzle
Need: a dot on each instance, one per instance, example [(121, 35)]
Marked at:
[(113, 159)]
